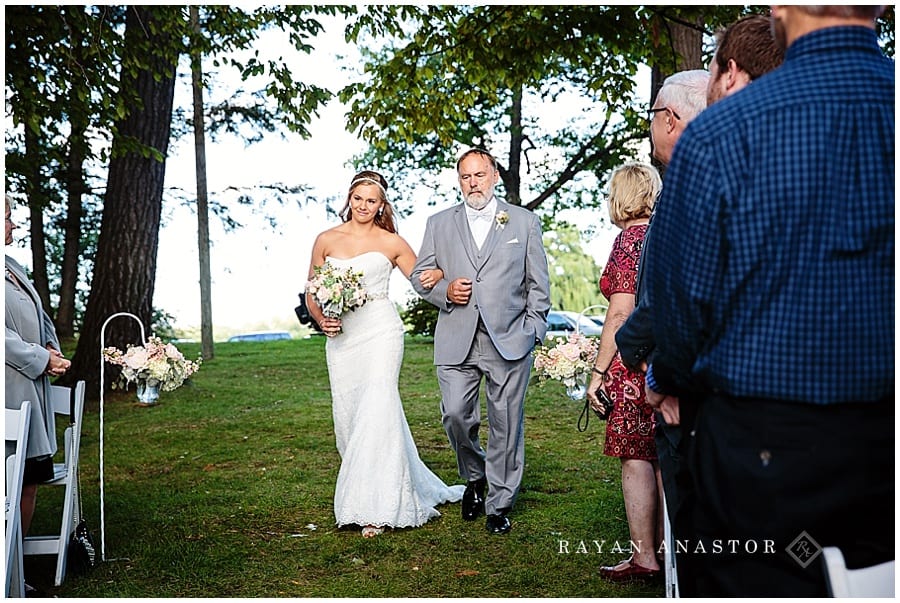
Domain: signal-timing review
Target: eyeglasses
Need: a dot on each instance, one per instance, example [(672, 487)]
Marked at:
[(650, 113)]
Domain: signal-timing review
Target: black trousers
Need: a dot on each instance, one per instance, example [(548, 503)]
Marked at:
[(775, 482), (672, 445)]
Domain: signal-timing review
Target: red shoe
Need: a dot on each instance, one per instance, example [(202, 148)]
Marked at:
[(632, 571)]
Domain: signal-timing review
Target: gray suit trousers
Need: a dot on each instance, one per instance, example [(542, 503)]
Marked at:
[(505, 384)]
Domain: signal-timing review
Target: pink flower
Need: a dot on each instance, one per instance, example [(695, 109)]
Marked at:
[(136, 358)]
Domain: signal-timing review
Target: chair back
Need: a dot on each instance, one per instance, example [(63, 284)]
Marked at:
[(16, 423), (67, 402), (864, 582)]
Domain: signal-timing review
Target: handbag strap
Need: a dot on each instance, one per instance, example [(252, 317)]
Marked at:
[(585, 414)]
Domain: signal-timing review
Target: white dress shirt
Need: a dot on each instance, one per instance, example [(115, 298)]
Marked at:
[(480, 221)]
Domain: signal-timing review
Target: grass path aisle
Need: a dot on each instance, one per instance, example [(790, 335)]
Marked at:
[(224, 489)]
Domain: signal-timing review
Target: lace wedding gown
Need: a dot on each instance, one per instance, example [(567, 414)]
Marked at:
[(382, 481)]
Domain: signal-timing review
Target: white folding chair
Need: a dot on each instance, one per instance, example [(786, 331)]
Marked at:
[(866, 582), (16, 424), (65, 474)]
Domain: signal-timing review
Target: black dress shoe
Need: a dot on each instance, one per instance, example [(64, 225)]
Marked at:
[(498, 523), (473, 499)]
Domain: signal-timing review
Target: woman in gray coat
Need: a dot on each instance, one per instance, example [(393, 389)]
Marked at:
[(32, 357)]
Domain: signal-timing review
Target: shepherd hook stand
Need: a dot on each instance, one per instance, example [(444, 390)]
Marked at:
[(583, 315), (102, 389)]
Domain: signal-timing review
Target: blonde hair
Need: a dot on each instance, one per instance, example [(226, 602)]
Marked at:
[(633, 190)]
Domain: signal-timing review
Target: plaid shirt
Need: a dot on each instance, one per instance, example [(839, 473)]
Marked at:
[(770, 262)]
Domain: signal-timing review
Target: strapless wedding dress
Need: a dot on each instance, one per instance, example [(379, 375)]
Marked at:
[(382, 481)]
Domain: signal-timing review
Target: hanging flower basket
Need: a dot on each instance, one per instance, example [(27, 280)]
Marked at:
[(153, 367)]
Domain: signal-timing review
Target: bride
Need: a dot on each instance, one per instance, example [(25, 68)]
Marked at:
[(382, 481)]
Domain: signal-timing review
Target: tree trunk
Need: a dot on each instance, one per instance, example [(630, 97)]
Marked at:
[(206, 324), (125, 266), (513, 179), (686, 44), (75, 190), (37, 200)]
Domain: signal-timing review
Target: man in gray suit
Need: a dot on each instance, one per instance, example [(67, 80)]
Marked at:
[(493, 303)]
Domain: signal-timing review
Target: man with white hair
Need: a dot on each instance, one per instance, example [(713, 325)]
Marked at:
[(680, 99)]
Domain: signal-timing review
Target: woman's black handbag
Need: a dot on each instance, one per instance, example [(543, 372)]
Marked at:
[(82, 555)]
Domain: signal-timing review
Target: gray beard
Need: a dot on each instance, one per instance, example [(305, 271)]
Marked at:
[(471, 201)]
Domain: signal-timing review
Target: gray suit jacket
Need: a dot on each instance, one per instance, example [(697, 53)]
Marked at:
[(510, 282), (28, 330)]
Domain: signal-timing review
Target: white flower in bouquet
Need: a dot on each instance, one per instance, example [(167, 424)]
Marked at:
[(569, 361), (336, 291), (155, 362)]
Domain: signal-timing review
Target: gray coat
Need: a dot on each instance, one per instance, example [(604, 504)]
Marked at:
[(28, 331), (510, 282)]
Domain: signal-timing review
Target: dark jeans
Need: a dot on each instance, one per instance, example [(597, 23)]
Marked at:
[(776, 482)]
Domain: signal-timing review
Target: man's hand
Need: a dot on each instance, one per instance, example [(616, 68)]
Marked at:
[(459, 291), (666, 405)]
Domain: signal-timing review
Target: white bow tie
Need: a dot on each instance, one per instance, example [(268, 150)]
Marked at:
[(480, 214)]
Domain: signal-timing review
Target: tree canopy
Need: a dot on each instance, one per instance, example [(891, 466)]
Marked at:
[(438, 79)]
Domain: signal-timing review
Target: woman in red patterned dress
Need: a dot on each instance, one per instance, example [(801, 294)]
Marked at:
[(633, 189)]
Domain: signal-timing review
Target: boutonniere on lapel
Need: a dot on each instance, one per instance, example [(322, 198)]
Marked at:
[(501, 219)]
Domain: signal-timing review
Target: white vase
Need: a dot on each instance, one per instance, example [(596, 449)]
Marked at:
[(147, 394)]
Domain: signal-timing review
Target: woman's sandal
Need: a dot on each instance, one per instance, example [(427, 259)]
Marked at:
[(371, 531)]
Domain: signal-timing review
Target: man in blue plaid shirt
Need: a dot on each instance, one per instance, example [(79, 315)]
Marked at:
[(770, 274)]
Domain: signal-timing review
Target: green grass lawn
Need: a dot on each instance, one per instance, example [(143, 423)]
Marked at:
[(224, 489)]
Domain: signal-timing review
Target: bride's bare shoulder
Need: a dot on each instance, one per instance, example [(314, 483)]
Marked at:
[(332, 239), (397, 241), (397, 246)]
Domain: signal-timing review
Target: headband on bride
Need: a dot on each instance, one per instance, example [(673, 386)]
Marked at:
[(371, 181)]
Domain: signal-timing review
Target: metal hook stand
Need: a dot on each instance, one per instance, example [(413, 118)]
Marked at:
[(582, 315), (102, 389)]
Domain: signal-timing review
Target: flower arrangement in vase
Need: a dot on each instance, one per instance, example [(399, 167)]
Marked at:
[(153, 366), (569, 361)]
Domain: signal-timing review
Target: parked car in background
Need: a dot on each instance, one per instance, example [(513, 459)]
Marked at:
[(561, 323), (597, 320), (261, 336)]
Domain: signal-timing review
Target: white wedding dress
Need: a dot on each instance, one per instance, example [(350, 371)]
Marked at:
[(382, 481)]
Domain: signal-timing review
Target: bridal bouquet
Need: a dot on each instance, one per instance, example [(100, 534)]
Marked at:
[(569, 361), (154, 363), (336, 291)]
